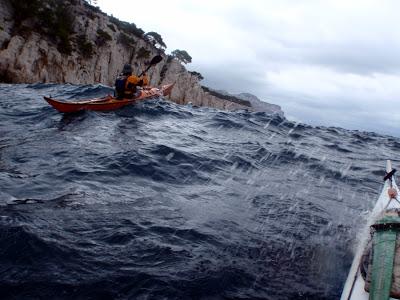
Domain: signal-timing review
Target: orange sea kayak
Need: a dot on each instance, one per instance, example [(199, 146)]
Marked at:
[(108, 102)]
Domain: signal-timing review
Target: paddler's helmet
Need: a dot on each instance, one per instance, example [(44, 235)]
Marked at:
[(127, 70)]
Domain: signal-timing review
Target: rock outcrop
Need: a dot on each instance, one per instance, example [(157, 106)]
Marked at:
[(97, 48), (253, 101), (259, 105)]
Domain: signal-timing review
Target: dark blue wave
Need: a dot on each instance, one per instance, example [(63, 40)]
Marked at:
[(163, 201)]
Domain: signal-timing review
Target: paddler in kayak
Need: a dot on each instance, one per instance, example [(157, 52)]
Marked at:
[(126, 84)]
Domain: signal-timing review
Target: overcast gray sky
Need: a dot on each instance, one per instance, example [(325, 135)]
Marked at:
[(332, 63)]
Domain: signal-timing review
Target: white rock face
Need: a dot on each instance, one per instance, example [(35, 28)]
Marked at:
[(32, 57)]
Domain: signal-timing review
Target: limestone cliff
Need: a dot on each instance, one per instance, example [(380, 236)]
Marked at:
[(40, 49)]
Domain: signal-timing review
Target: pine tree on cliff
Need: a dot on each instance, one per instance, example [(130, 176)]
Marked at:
[(182, 56)]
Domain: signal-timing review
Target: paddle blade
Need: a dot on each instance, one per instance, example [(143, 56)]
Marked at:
[(156, 59), (389, 175)]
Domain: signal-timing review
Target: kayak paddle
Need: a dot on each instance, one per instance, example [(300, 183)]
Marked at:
[(156, 59), (389, 175)]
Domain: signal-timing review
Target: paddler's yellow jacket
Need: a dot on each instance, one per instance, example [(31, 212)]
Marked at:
[(132, 82)]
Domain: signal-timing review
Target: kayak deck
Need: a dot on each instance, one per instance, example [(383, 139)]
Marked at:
[(376, 281), (108, 102)]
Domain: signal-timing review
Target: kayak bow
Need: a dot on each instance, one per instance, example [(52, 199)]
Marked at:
[(375, 270), (108, 102)]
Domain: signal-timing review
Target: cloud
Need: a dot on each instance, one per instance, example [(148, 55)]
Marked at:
[(352, 36), (323, 96)]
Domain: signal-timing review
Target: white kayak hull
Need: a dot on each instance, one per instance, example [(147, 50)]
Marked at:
[(355, 283)]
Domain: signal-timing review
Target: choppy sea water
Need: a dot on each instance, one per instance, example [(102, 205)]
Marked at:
[(162, 201)]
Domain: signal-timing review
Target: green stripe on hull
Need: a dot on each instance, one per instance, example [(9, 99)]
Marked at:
[(384, 245)]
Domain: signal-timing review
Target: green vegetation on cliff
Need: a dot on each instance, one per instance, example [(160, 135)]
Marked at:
[(55, 19), (125, 40), (155, 39), (25, 9), (50, 17), (85, 47), (197, 74), (143, 53), (102, 37), (129, 28), (182, 56)]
